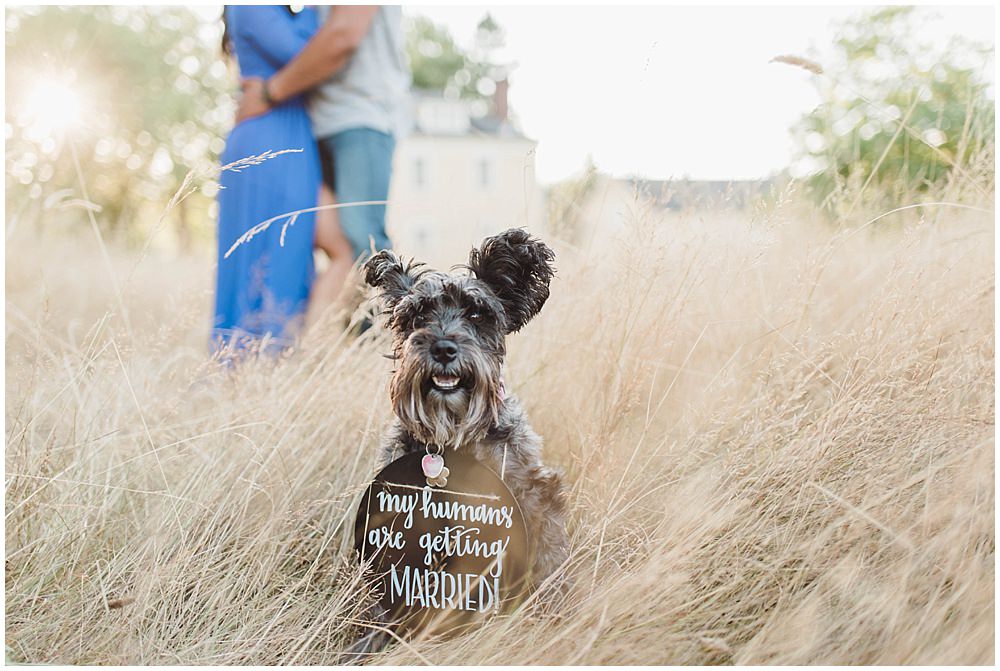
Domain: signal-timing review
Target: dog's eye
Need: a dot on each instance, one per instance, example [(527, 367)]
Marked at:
[(418, 321)]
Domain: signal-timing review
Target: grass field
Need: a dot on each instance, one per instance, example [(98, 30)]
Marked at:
[(777, 438)]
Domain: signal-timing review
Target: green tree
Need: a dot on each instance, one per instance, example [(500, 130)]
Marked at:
[(434, 56), (150, 99), (439, 64), (898, 117)]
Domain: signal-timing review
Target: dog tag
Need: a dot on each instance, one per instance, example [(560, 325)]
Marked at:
[(432, 464)]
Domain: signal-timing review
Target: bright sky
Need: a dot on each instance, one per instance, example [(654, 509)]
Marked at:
[(668, 91)]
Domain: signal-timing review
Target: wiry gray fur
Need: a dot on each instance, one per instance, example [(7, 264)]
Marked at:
[(507, 283)]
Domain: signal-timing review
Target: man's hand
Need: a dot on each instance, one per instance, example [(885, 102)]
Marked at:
[(252, 102)]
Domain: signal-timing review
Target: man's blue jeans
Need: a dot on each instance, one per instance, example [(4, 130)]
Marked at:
[(357, 165)]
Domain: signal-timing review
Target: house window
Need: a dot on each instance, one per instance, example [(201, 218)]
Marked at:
[(419, 173), (485, 173)]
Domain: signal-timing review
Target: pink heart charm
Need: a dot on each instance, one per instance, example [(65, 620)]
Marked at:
[(432, 464)]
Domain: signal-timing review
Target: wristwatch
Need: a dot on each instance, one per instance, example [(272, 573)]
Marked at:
[(271, 102)]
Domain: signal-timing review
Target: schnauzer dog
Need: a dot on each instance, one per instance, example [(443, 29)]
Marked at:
[(448, 389)]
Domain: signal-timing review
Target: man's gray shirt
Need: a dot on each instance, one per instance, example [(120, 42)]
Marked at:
[(372, 90)]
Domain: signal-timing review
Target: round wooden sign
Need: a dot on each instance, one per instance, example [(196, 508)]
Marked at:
[(446, 556)]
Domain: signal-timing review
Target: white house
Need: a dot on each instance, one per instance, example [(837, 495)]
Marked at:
[(458, 178)]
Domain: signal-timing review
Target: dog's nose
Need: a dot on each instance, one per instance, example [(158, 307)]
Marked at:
[(444, 351)]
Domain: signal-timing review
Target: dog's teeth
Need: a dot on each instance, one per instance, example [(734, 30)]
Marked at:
[(445, 381)]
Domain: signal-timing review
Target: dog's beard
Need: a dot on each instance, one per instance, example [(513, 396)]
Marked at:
[(453, 418)]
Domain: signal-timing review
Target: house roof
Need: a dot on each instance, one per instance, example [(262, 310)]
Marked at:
[(486, 125), (491, 125)]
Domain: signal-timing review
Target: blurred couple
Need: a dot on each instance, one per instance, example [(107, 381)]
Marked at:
[(333, 83)]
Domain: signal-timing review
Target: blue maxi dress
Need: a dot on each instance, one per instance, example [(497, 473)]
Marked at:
[(262, 288)]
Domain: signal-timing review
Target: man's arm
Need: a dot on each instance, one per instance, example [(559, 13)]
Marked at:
[(323, 55), (326, 52)]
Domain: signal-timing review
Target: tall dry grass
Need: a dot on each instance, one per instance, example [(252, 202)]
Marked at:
[(777, 438)]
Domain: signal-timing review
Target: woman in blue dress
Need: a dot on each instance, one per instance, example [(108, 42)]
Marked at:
[(263, 286)]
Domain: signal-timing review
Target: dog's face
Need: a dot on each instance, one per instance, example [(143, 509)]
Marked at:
[(450, 331)]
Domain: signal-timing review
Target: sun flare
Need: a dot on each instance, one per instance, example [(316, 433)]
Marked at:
[(54, 105)]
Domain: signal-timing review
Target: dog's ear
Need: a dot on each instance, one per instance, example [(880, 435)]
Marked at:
[(518, 269), (386, 272)]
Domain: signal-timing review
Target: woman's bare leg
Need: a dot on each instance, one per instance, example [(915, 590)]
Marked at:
[(329, 284)]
